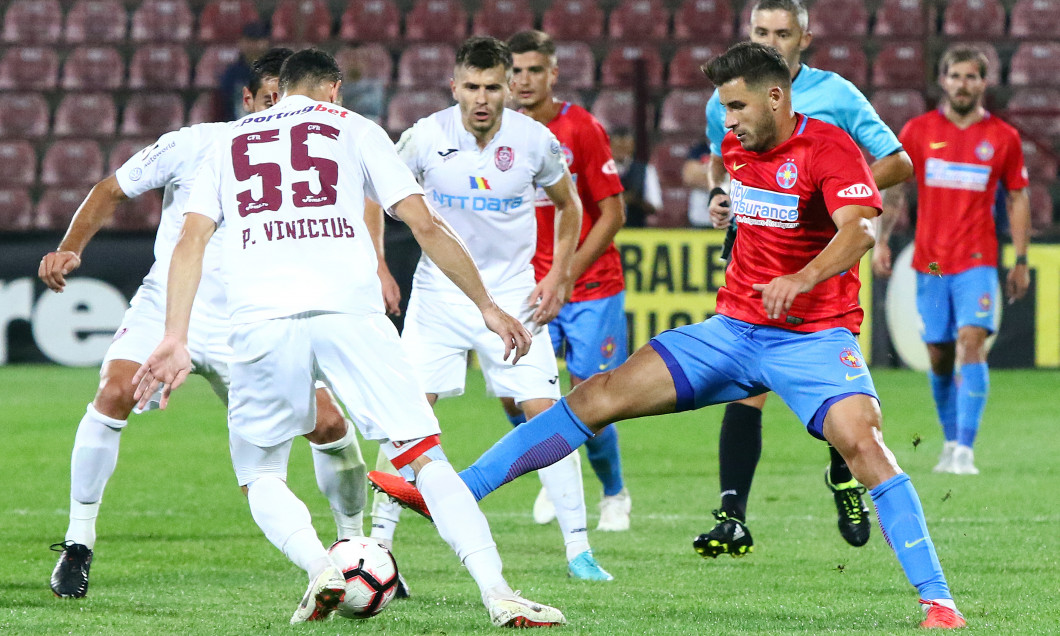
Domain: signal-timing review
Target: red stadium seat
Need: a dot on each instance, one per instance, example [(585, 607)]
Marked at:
[(370, 61), (18, 163), (1036, 111), (684, 68), (223, 20), (1041, 163), (896, 107), (577, 68), (974, 18), (57, 206), (204, 108), (94, 68), (1041, 207), (1034, 64), (704, 21), (370, 21), (162, 66), (574, 20), (905, 19), (408, 107), (502, 18), (72, 162), (33, 22), (96, 22), (619, 67), (426, 65), (16, 210), (23, 116), (86, 115), (616, 107), (162, 21), (1035, 18), (29, 69), (900, 65), (684, 111), (674, 212), (639, 21), (150, 115), (142, 214), (669, 158), (125, 148), (436, 21), (213, 62), (845, 58), (839, 19), (304, 22)]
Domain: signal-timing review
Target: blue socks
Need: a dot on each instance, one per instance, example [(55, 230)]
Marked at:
[(606, 462), (516, 420), (944, 390), (971, 400), (902, 521), (540, 442)]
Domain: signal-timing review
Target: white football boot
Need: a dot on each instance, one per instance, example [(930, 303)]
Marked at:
[(614, 512), (544, 511), (964, 461), (509, 609), (325, 593), (945, 464)]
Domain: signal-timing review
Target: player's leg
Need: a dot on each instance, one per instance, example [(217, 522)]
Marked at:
[(340, 470), (975, 294), (934, 304)]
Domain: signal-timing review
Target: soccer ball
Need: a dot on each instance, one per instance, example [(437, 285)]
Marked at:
[(371, 576)]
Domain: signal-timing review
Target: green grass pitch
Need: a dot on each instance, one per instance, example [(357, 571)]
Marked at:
[(178, 552)]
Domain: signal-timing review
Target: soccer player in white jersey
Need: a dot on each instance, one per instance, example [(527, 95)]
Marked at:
[(479, 164), (299, 270), (171, 163)]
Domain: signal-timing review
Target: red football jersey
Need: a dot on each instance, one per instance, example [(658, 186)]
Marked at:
[(588, 153), (783, 200), (957, 172)]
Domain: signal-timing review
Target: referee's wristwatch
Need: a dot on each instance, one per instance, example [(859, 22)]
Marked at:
[(1021, 260)]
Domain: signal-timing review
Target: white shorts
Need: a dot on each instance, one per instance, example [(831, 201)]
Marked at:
[(360, 358), (439, 332)]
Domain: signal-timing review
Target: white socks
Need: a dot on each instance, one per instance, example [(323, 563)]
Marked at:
[(563, 481), (385, 513), (286, 523), (341, 476), (92, 462)]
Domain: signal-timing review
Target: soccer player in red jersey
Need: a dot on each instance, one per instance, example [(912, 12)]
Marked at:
[(786, 319), (960, 154)]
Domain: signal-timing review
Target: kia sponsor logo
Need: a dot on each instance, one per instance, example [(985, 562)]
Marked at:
[(856, 191)]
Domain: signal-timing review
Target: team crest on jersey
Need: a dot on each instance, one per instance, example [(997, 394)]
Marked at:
[(984, 151), (985, 302), (121, 332), (787, 175), (608, 348), (568, 155), (479, 183), (504, 158), (850, 358)]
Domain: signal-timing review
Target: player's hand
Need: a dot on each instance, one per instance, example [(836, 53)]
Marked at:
[(881, 260), (167, 367), (1017, 282), (549, 296), (55, 266), (391, 292), (780, 293), (720, 212), (515, 336)]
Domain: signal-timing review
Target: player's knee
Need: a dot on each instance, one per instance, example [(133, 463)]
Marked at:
[(942, 357), (115, 397), (510, 407), (971, 345), (331, 426), (596, 402)]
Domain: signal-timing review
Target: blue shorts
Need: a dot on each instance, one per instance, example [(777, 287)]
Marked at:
[(722, 360), (591, 334), (947, 303)]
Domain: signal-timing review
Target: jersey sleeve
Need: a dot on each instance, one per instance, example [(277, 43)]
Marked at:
[(861, 121), (387, 177), (715, 123), (598, 166), (156, 164), (908, 138), (1015, 175), (843, 176), (551, 165), (205, 195)]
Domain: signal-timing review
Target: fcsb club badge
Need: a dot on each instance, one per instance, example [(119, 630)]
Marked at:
[(608, 348), (850, 358), (787, 175), (984, 151), (986, 302), (504, 158)]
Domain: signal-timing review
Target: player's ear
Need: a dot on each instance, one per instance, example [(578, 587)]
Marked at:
[(335, 94), (248, 100)]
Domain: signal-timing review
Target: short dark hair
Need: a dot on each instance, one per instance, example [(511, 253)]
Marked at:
[(533, 42), (308, 66), (755, 63), (794, 7), (483, 52), (964, 53), (266, 66)]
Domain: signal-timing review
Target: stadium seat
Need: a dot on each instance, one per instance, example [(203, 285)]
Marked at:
[(23, 116), (1034, 64), (29, 69), (619, 68), (704, 21), (974, 18), (1041, 207), (93, 68), (72, 162), (845, 58), (574, 20), (1034, 18), (616, 107), (301, 22), (669, 158), (159, 66), (674, 212), (204, 108), (96, 22), (86, 115), (370, 21), (896, 107), (18, 163), (223, 20), (904, 19), (684, 111), (502, 18), (33, 22), (426, 65), (16, 210), (744, 23), (839, 19), (125, 148), (1041, 162), (57, 206), (142, 214), (900, 65), (162, 21), (213, 62), (150, 115), (684, 67), (639, 21), (1036, 111), (371, 61), (407, 107), (436, 21), (577, 68)]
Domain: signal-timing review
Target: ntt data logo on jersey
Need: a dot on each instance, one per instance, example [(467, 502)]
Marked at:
[(956, 176), (755, 206), (479, 204)]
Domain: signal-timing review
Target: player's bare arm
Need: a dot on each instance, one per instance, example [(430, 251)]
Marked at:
[(895, 202), (373, 218), (94, 212), (602, 234), (891, 170), (854, 238), (554, 290), (1019, 221), (170, 363), (720, 213)]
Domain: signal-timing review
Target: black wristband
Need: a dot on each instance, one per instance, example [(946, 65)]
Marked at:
[(715, 192), (1021, 260)]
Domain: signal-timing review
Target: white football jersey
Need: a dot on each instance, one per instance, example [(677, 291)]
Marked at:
[(171, 163), (289, 183), (487, 195)]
